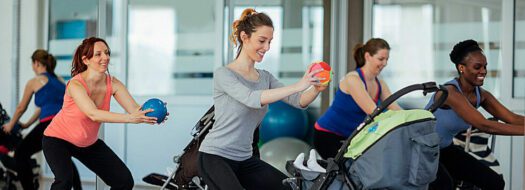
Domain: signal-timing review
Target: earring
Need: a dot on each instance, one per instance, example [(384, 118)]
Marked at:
[(461, 72)]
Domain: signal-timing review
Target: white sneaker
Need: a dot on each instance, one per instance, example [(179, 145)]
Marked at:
[(298, 162), (312, 162)]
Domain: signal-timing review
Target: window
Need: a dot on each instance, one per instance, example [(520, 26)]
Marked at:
[(422, 35), (171, 47), (519, 51), (69, 23)]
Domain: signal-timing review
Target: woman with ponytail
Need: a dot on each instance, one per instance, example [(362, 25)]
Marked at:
[(241, 97), (359, 93), (48, 90), (74, 130)]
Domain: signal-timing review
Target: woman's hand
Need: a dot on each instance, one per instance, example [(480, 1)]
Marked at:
[(139, 116), (309, 78), (8, 127), (322, 87)]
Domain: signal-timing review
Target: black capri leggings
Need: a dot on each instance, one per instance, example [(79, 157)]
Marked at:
[(220, 173), (98, 157), (456, 165), (327, 144)]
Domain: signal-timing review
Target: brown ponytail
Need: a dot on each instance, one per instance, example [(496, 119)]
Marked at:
[(359, 55), (372, 46), (249, 20), (85, 49), (46, 59)]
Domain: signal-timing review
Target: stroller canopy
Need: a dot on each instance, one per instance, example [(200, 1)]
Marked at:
[(382, 125)]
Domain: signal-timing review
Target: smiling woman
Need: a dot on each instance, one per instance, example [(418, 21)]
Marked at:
[(459, 112), (359, 93), (241, 97), (74, 130)]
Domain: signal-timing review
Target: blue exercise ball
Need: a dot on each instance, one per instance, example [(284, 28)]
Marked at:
[(283, 120), (159, 109)]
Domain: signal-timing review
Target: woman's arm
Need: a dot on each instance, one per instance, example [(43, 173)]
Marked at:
[(308, 96), (352, 85), (276, 94), (33, 119), (495, 108), (471, 115), (22, 105), (88, 107), (225, 81), (273, 95), (123, 97), (386, 93)]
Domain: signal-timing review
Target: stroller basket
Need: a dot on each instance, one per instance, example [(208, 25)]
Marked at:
[(389, 150)]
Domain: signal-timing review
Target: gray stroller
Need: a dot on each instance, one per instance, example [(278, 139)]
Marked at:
[(390, 150)]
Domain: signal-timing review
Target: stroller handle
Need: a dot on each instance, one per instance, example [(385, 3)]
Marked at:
[(425, 87)]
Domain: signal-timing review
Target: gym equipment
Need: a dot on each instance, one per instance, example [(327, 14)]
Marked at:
[(326, 73), (8, 144), (277, 151), (159, 109), (283, 120)]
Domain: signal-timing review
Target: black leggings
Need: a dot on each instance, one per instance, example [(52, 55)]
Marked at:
[(98, 157), (30, 145), (220, 173), (327, 144), (457, 165)]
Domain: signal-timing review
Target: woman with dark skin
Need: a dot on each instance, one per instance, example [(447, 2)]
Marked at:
[(459, 112)]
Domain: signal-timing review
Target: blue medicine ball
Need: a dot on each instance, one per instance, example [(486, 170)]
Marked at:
[(283, 120), (159, 109)]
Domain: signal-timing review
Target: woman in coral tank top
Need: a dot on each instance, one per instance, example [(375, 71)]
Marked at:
[(74, 130)]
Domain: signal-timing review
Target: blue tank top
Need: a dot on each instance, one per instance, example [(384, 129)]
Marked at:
[(344, 115), (50, 97), (448, 122)]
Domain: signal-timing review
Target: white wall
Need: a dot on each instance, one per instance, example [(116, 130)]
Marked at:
[(29, 36), (6, 19), (28, 43)]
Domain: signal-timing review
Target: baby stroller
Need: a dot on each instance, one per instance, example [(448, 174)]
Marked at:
[(8, 144), (186, 174), (389, 150)]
